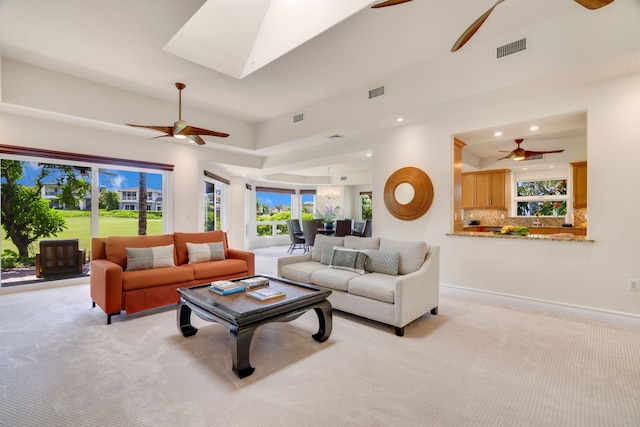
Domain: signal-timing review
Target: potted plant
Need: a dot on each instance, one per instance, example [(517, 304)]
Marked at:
[(328, 215)]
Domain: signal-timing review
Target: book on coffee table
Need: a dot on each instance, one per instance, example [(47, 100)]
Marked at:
[(224, 284), (254, 282), (227, 291), (265, 294)]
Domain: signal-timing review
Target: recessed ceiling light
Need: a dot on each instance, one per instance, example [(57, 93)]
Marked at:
[(498, 133), (552, 166), (524, 169), (369, 154), (534, 127), (400, 119)]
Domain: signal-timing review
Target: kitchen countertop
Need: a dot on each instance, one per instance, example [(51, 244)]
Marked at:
[(555, 237)]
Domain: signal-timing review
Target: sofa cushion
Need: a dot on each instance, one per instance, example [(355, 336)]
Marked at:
[(203, 252), (301, 271), (218, 269), (181, 239), (385, 262), (148, 258), (376, 286), (332, 278), (348, 259), (114, 247), (412, 253), (322, 240), (356, 242), (156, 277)]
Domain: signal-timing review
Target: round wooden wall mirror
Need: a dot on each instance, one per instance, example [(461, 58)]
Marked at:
[(408, 193)]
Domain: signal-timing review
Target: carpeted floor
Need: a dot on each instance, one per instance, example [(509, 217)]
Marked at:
[(483, 361)]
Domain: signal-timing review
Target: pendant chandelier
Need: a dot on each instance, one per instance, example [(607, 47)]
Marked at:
[(328, 193)]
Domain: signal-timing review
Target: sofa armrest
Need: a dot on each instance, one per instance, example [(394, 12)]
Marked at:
[(286, 260), (248, 257), (106, 285), (418, 292)]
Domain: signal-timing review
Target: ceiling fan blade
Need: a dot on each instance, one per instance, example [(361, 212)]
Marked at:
[(191, 130), (469, 32), (166, 129), (594, 4), (388, 3), (537, 153)]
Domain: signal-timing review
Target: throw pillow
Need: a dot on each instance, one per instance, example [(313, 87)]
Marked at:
[(385, 262), (147, 258), (348, 259), (203, 252), (327, 253)]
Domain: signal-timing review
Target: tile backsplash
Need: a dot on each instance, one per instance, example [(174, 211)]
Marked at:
[(500, 217)]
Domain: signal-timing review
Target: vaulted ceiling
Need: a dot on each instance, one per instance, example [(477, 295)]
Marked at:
[(262, 62)]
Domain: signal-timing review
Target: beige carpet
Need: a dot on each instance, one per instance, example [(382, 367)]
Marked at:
[(483, 361)]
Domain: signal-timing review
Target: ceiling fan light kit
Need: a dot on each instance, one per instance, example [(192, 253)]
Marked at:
[(180, 128)]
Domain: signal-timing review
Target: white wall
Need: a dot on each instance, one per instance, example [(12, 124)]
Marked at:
[(577, 273)]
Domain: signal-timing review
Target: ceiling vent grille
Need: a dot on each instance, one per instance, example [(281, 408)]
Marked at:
[(536, 157), (298, 118), (374, 93), (511, 48)]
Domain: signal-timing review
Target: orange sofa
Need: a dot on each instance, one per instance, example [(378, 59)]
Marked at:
[(115, 288)]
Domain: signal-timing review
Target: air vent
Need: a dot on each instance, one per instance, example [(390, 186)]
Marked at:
[(511, 48), (298, 118), (343, 178), (536, 157), (374, 93)]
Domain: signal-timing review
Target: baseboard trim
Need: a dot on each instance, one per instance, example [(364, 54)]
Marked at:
[(543, 301)]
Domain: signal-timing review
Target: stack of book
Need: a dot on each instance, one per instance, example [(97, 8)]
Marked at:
[(225, 287), (265, 293), (254, 282)]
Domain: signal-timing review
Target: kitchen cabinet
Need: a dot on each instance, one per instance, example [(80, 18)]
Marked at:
[(485, 189), (579, 174)]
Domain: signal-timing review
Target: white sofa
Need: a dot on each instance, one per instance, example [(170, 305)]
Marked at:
[(376, 293)]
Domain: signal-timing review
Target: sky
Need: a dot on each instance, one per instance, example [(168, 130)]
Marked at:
[(273, 199), (112, 179)]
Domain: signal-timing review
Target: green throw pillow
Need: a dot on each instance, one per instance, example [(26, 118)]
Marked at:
[(147, 258)]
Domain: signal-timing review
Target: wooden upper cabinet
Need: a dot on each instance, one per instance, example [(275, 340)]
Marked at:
[(485, 189), (579, 173)]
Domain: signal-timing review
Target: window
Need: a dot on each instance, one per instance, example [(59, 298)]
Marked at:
[(273, 209), (541, 197), (366, 205), (308, 204), (78, 194), (214, 200)]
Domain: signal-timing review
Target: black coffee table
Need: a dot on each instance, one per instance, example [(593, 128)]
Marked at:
[(243, 314)]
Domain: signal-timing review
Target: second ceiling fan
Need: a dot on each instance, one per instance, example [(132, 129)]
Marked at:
[(473, 28), (518, 154)]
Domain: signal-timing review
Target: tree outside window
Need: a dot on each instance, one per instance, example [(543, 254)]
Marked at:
[(541, 197)]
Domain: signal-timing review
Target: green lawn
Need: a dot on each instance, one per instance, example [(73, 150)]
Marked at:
[(80, 227)]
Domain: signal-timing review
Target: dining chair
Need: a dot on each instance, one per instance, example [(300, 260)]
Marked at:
[(309, 230), (295, 226), (343, 227), (297, 242), (358, 228), (367, 228)]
